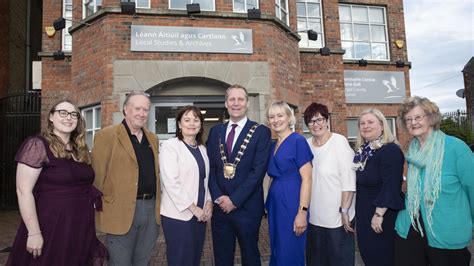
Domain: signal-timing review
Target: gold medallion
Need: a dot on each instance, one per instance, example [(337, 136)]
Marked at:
[(229, 170)]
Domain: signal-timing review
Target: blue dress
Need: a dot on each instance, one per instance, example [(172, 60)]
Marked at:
[(379, 185), (284, 198)]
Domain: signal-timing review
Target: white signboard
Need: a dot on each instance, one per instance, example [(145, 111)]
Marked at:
[(374, 86), (191, 39)]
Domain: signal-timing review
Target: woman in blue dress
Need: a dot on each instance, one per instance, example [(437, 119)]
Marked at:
[(289, 194), (379, 174)]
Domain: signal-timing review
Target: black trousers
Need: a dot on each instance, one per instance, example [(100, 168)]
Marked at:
[(414, 251)]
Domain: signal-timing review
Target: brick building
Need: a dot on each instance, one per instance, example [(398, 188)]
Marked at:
[(468, 76), (181, 58)]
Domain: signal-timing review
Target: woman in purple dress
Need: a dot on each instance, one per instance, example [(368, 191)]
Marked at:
[(56, 197), (289, 194)]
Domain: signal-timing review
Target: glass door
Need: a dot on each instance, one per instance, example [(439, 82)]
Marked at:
[(162, 119), (162, 115)]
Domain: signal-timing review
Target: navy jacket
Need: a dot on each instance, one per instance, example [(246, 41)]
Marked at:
[(245, 189)]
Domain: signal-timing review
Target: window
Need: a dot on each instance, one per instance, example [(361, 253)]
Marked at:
[(141, 3), (92, 116), (66, 36), (89, 7), (364, 32), (281, 10), (205, 5), (353, 127), (244, 5), (309, 18)]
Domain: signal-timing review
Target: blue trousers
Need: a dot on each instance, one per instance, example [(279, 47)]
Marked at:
[(226, 228), (184, 241), (329, 246)]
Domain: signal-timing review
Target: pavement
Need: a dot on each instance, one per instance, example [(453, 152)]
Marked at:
[(9, 221)]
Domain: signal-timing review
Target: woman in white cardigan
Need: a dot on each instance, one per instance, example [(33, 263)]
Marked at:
[(186, 204)]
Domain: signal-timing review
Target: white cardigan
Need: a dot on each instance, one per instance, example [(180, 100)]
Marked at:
[(179, 174)]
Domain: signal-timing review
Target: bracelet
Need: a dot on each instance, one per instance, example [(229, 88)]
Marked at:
[(34, 234), (378, 215)]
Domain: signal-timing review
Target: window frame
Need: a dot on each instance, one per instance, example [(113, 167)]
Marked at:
[(143, 7), (390, 120), (93, 128), (84, 9), (370, 24), (278, 10), (245, 3), (65, 32), (192, 2), (321, 34)]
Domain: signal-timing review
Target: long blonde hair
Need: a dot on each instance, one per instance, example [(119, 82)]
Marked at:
[(387, 136), (77, 139)]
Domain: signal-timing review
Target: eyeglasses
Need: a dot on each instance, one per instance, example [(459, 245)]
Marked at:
[(417, 118), (318, 121), (63, 113)]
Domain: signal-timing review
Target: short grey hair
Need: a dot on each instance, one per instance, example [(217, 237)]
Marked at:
[(129, 95)]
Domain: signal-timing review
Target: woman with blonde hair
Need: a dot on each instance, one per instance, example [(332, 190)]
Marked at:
[(379, 173), (436, 227), (289, 195), (55, 195)]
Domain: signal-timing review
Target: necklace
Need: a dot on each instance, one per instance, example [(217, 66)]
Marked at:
[(192, 146)]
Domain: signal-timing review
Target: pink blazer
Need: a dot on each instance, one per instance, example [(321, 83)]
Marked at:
[(179, 175)]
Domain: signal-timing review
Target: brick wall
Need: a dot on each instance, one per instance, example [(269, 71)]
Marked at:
[(4, 47), (297, 77), (17, 41)]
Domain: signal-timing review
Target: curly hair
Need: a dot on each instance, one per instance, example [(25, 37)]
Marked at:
[(80, 151), (430, 108)]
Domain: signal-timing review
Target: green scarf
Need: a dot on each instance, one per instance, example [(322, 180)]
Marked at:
[(429, 158)]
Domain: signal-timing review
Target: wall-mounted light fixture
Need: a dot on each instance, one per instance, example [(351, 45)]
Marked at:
[(312, 35), (127, 7), (192, 9), (254, 13), (59, 24), (363, 62), (325, 51), (400, 63), (59, 55)]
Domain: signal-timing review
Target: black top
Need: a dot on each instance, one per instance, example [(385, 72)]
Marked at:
[(146, 163), (202, 172)]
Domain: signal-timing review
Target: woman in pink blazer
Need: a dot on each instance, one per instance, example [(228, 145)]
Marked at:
[(186, 204)]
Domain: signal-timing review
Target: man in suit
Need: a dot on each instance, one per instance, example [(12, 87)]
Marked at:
[(238, 164), (125, 161)]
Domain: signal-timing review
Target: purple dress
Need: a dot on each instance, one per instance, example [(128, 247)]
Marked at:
[(65, 199)]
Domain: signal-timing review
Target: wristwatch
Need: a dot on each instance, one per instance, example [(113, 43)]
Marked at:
[(378, 215), (303, 208), (343, 210)]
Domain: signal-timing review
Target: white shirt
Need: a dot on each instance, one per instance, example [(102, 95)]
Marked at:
[(332, 174), (238, 129)]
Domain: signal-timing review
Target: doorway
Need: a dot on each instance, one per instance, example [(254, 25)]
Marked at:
[(164, 109)]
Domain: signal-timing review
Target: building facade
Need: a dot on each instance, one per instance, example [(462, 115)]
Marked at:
[(468, 76), (359, 59)]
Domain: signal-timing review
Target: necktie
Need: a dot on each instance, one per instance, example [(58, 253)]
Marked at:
[(230, 139)]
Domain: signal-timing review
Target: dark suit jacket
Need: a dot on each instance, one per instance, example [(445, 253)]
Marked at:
[(245, 189)]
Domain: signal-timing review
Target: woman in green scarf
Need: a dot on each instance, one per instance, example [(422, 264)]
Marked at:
[(436, 226)]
